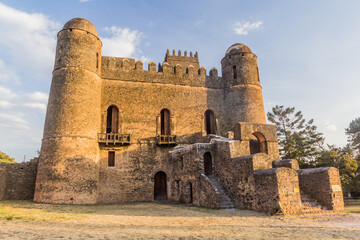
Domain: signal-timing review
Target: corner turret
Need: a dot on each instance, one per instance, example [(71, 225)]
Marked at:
[(68, 164), (240, 73)]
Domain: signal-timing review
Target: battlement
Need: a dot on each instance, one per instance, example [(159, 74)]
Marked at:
[(184, 60), (127, 69)]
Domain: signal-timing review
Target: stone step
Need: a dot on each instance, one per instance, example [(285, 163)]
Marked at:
[(224, 201)]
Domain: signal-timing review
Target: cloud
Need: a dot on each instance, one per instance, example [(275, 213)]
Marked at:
[(243, 28), (10, 99), (82, 1), (123, 42), (331, 126), (28, 42)]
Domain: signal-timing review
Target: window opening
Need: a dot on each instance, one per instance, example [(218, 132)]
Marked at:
[(210, 123), (165, 122), (111, 159), (112, 120)]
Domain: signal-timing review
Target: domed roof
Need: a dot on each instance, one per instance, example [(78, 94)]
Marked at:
[(238, 48), (81, 23)]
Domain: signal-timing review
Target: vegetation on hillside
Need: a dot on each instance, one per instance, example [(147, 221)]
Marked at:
[(6, 158)]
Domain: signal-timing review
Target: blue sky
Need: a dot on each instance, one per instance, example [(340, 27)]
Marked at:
[(308, 53)]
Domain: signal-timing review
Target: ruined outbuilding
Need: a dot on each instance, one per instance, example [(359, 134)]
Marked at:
[(115, 132)]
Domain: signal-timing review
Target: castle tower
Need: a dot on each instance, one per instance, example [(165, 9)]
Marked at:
[(243, 97), (68, 165)]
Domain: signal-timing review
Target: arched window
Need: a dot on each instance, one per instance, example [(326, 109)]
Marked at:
[(112, 120), (207, 164), (210, 122), (165, 122), (257, 143)]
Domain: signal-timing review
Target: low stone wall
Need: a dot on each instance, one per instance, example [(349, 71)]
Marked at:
[(277, 189), (20, 180), (324, 185), (3, 180)]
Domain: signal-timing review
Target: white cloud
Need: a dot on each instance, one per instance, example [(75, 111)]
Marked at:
[(84, 1), (331, 126), (123, 42), (243, 28), (9, 99), (13, 121), (28, 42), (38, 96)]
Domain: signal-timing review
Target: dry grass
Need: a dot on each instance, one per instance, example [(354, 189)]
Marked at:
[(27, 220)]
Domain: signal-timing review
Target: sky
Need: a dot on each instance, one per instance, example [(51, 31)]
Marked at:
[(308, 53)]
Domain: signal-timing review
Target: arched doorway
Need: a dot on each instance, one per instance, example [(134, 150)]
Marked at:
[(207, 164), (165, 122), (112, 120), (160, 186), (210, 122), (257, 143)]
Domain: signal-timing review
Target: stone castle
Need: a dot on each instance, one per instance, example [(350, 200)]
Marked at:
[(117, 133)]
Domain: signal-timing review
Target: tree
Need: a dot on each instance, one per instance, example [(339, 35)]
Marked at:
[(342, 159), (353, 132), (6, 158), (298, 138)]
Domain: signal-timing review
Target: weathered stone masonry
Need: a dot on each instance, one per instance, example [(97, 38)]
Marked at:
[(115, 132)]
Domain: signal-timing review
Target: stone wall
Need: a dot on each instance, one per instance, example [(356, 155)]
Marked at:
[(324, 185), (17, 180), (3, 180), (277, 190)]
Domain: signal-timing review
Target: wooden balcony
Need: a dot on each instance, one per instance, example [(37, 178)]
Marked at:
[(166, 139), (114, 138)]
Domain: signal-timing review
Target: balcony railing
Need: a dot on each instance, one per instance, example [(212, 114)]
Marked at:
[(166, 139), (114, 138)]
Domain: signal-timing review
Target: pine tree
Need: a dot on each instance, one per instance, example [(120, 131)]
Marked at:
[(298, 138)]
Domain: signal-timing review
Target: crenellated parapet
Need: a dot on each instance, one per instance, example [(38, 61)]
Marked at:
[(184, 60), (127, 69)]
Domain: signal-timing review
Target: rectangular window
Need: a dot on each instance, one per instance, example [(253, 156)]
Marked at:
[(234, 72), (111, 159)]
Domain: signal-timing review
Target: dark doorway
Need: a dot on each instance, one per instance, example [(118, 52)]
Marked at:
[(190, 193), (165, 122), (160, 186), (112, 120), (207, 164), (210, 124), (257, 143)]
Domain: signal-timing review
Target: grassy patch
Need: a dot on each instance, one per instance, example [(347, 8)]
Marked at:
[(352, 206)]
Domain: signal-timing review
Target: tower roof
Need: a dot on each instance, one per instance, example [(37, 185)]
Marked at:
[(238, 48), (82, 24)]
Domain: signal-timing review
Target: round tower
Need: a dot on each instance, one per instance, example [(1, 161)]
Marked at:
[(68, 166), (244, 101)]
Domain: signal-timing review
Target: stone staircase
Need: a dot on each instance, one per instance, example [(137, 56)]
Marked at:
[(225, 201), (311, 206)]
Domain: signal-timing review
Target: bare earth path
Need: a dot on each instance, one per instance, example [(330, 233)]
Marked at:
[(27, 220)]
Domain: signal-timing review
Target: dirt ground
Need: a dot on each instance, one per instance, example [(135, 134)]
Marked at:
[(27, 220)]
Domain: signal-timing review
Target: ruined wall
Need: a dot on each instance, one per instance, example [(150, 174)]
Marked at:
[(3, 180), (324, 185), (277, 189), (17, 180), (243, 132)]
